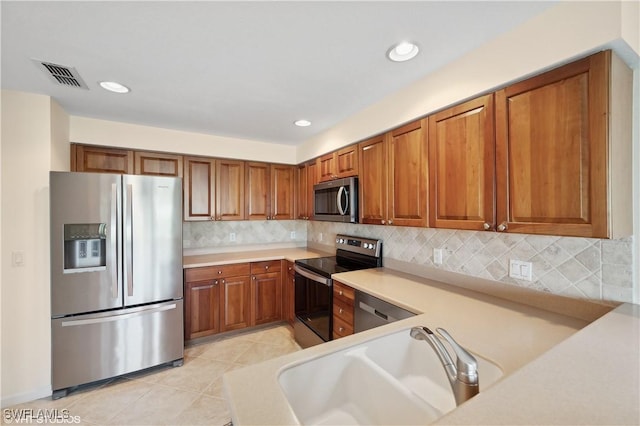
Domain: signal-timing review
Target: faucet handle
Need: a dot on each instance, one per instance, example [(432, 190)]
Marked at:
[(466, 363)]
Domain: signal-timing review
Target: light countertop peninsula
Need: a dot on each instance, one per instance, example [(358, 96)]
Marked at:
[(558, 369)]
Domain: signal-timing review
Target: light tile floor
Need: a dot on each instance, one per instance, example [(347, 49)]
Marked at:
[(187, 395)]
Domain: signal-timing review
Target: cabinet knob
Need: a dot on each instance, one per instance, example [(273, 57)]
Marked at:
[(341, 329), (266, 267), (219, 272), (390, 222), (502, 227), (340, 292), (340, 311), (486, 226), (215, 282), (383, 221), (212, 218), (253, 278), (268, 217), (222, 281)]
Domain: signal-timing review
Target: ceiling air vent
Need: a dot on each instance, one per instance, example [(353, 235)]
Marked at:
[(63, 75)]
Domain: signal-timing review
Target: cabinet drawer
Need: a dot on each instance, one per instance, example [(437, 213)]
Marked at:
[(343, 311), (290, 269), (341, 328), (268, 266), (343, 292), (213, 272)]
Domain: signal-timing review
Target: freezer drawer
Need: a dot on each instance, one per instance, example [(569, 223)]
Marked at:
[(88, 348)]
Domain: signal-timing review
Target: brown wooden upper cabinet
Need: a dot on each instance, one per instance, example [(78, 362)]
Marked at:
[(338, 164), (269, 191), (462, 166), (563, 151), (393, 177), (213, 189), (157, 164), (87, 158), (306, 178)]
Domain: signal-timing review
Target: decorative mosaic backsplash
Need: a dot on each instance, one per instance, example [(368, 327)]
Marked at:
[(586, 268)]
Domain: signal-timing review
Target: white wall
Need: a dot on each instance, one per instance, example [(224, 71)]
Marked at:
[(31, 125), (133, 136)]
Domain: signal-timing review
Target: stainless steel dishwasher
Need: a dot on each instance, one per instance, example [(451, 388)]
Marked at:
[(371, 312)]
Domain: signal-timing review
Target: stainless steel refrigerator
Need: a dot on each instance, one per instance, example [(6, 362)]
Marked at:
[(116, 275)]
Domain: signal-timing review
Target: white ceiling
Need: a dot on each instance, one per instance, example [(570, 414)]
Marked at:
[(240, 69)]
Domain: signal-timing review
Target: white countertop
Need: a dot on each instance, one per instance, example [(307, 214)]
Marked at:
[(558, 369)]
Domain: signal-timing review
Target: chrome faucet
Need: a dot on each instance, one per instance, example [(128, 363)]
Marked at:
[(463, 377)]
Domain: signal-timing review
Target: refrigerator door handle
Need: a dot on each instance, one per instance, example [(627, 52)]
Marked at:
[(111, 318), (115, 255), (128, 239)]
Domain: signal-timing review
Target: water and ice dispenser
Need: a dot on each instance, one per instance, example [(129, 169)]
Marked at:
[(85, 247)]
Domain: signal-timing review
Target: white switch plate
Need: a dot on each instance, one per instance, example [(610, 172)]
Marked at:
[(293, 235), (17, 258), (437, 256), (232, 236), (520, 270)]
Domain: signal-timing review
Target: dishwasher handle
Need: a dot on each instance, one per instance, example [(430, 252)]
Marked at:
[(374, 311)]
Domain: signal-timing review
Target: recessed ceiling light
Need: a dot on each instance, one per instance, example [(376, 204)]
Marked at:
[(403, 51), (302, 123), (112, 86)]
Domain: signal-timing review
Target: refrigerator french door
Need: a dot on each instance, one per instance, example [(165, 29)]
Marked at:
[(116, 275)]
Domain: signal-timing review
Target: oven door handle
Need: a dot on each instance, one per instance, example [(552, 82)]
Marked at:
[(317, 278)]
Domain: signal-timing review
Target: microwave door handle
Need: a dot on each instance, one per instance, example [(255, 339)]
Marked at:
[(342, 210)]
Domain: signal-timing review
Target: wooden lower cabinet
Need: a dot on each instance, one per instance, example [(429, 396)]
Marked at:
[(266, 292), (201, 309), (343, 302), (288, 293), (235, 303)]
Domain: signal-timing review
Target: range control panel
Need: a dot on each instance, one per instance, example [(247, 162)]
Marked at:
[(361, 245)]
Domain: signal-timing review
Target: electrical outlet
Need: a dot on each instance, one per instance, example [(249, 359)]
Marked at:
[(520, 270), (17, 258), (232, 236), (293, 235), (437, 256)]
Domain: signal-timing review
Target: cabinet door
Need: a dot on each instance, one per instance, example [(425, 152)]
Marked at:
[(373, 181), (551, 151), (282, 194), (202, 309), (257, 190), (288, 293), (326, 167), (235, 303), (462, 166), (157, 164), (266, 297), (301, 193), (199, 188), (408, 175), (312, 179), (346, 160), (230, 190), (102, 160)]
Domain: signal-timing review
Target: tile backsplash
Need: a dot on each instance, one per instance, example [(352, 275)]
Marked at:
[(588, 268)]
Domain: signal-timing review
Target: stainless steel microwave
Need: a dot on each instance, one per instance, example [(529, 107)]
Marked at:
[(336, 200)]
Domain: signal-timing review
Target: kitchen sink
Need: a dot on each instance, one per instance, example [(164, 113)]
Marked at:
[(392, 379)]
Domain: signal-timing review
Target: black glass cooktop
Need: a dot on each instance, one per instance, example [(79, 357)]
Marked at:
[(326, 266)]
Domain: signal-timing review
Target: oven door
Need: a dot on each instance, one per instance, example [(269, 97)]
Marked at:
[(313, 295)]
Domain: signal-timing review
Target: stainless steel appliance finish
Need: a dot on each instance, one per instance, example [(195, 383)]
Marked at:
[(116, 244), (314, 286), (336, 200), (371, 312)]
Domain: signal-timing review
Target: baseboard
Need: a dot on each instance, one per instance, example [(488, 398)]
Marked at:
[(11, 400)]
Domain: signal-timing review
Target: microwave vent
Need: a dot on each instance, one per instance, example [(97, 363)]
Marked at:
[(63, 75)]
